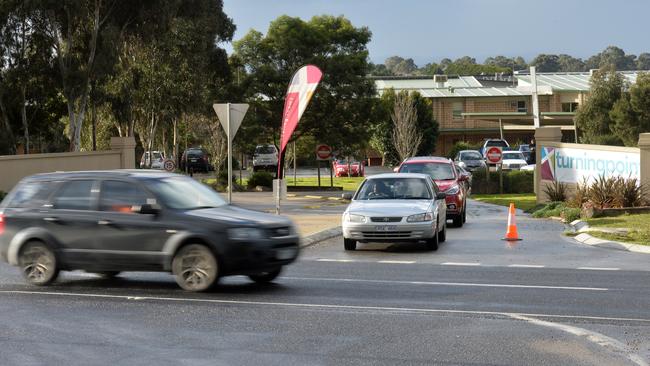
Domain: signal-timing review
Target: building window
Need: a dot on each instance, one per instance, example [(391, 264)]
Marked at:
[(521, 106), (457, 110), (569, 107)]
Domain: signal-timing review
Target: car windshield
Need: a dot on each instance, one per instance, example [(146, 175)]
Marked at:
[(184, 193), (265, 150), (157, 155), (496, 143), (393, 189), (524, 147), (513, 155), (437, 171), (195, 153), (471, 155)]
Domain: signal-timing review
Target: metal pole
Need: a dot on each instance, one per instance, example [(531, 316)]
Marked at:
[(318, 165), (229, 154), (501, 128), (501, 178), (331, 174), (295, 183)]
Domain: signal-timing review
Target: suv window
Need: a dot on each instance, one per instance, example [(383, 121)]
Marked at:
[(120, 196), (74, 195), (32, 194), (500, 143), (269, 149)]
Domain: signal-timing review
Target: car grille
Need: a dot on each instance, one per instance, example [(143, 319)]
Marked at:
[(385, 219), (514, 166), (279, 232), (385, 234)]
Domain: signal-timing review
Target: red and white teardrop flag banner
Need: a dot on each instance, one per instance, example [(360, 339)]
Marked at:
[(302, 87)]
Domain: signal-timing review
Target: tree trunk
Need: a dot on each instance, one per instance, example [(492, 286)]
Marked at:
[(23, 117), (94, 120), (7, 125)]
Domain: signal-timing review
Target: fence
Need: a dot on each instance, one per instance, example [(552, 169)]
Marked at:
[(15, 167)]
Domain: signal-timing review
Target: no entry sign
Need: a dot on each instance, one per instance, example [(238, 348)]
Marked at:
[(494, 155), (323, 152)]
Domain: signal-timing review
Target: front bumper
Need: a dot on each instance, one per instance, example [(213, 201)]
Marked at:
[(454, 205), (249, 257), (400, 231)]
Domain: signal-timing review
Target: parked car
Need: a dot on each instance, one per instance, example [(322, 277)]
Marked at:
[(470, 160), (265, 158), (513, 160), (525, 149), (157, 163), (195, 160), (493, 142), (396, 208), (106, 222), (342, 166), (447, 178), (467, 182)]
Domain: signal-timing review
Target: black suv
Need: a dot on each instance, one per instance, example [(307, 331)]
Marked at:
[(195, 160), (133, 220)]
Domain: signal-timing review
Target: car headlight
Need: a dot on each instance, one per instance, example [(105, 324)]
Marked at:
[(453, 190), (355, 218), (245, 233), (461, 164), (427, 216)]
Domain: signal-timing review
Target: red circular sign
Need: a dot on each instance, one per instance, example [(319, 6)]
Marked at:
[(169, 165), (323, 152), (494, 155)]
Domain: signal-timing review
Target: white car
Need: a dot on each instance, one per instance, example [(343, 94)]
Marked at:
[(529, 167), (157, 163), (513, 160), (396, 208), (265, 158)]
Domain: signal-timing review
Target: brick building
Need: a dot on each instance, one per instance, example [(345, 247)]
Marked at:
[(472, 109)]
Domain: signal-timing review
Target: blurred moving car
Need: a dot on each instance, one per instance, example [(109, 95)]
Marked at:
[(195, 159), (513, 160), (106, 222), (157, 163), (447, 178), (342, 167), (396, 208), (265, 158), (470, 160), (526, 151)]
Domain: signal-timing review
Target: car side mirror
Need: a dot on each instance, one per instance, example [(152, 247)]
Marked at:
[(347, 196), (148, 209), (463, 177), (396, 169), (441, 196)]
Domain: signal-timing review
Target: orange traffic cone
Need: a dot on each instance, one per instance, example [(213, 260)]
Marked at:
[(511, 232)]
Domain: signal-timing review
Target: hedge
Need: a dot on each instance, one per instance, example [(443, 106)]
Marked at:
[(515, 181)]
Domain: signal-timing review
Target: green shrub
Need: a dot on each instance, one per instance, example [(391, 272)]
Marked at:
[(602, 191), (264, 179), (558, 209), (516, 181), (556, 192), (628, 193), (570, 214), (581, 194)]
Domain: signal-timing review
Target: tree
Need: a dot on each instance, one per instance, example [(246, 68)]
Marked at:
[(612, 56), (431, 68), (378, 70), (392, 62), (593, 117), (406, 136), (546, 63), (517, 63), (643, 61), (631, 113), (570, 64)]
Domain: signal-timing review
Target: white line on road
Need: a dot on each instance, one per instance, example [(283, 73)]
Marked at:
[(430, 283), (397, 262), (461, 264), (600, 268), (526, 266), (323, 306), (334, 260)]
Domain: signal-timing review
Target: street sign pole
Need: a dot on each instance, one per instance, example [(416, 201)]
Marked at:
[(230, 121), (229, 154)]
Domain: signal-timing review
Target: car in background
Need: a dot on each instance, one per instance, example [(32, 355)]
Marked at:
[(265, 158), (503, 144), (447, 178), (344, 168), (467, 182), (157, 163), (529, 167), (470, 160), (528, 155), (396, 208), (513, 160), (195, 160), (107, 222)]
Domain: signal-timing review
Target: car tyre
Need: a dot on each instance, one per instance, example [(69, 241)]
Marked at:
[(349, 244), (465, 214), (432, 243), (458, 221), (195, 268), (266, 277), (442, 236), (38, 263)]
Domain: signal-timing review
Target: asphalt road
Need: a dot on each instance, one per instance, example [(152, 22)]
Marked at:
[(476, 301)]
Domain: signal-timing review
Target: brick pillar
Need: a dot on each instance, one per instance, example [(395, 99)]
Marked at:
[(543, 135), (644, 146), (126, 146)]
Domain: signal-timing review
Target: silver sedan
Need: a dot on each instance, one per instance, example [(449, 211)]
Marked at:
[(396, 208)]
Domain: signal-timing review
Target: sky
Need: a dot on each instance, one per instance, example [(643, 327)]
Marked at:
[(430, 30)]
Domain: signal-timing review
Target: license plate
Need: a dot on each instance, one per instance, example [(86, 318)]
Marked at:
[(385, 228), (193, 160), (285, 253)]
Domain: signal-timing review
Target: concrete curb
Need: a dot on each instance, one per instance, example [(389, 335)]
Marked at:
[(583, 228), (317, 237)]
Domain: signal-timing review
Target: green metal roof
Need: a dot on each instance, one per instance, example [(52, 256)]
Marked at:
[(567, 81)]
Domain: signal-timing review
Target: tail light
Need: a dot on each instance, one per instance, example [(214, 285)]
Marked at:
[(2, 224)]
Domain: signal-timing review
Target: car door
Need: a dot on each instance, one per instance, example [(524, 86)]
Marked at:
[(441, 203), (125, 237)]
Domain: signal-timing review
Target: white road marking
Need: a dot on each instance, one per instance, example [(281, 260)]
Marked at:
[(600, 268), (431, 283), (461, 264), (397, 262), (526, 266), (327, 306), (334, 260), (595, 337)]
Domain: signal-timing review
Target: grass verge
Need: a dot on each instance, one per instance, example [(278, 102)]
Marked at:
[(523, 201), (348, 184), (638, 224)]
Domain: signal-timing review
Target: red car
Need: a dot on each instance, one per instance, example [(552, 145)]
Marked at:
[(341, 168), (448, 179)]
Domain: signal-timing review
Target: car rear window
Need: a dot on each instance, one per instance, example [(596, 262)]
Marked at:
[(32, 194), (511, 155), (265, 150), (437, 171), (496, 143)]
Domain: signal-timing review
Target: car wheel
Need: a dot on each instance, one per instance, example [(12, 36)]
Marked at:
[(432, 243), (349, 244), (107, 274), (266, 277), (465, 214), (458, 221), (443, 234), (38, 263), (195, 268)]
